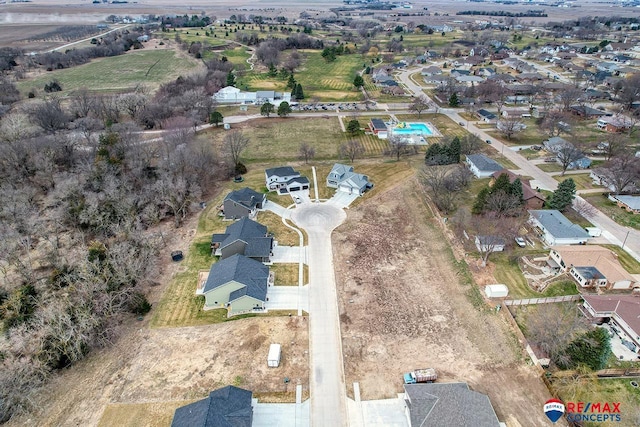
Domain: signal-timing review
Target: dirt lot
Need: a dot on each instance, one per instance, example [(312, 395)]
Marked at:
[(403, 307)]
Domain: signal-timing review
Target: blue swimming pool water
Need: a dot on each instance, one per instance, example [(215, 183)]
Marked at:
[(414, 129)]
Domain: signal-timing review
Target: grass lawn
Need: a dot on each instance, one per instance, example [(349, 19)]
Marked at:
[(583, 181), (121, 73), (508, 271), (287, 274), (628, 262), (152, 414), (551, 167), (612, 210)]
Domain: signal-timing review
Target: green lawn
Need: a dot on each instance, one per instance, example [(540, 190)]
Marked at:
[(628, 262), (287, 274), (551, 167), (612, 210), (121, 73), (583, 180)]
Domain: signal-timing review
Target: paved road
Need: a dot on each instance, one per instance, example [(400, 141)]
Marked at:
[(614, 232), (328, 392), (65, 46)]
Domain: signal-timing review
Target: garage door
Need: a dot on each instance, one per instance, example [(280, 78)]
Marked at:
[(345, 189)]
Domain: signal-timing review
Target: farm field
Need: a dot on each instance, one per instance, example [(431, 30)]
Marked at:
[(397, 255), (145, 67)]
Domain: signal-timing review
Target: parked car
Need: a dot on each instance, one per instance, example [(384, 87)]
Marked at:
[(521, 242), (298, 200), (488, 141), (461, 123), (536, 147)]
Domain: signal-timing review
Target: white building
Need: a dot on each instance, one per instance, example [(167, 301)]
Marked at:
[(233, 95)]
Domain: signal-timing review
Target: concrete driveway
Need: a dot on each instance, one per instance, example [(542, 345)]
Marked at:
[(342, 200), (287, 298), (280, 414), (327, 387), (288, 254)]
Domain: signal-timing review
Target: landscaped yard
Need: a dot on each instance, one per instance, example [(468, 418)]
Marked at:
[(121, 73), (583, 180), (612, 210)]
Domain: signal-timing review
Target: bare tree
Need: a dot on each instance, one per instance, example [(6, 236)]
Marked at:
[(399, 146), (419, 105), (510, 126), (552, 122), (351, 149), (443, 183), (49, 115), (133, 103), (235, 142), (621, 173), (568, 97), (552, 326), (16, 126), (584, 208), (567, 155), (306, 152)]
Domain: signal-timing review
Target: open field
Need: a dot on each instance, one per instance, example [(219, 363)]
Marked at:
[(612, 210), (403, 304), (123, 73)]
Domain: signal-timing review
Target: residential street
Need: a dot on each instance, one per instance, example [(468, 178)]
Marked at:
[(615, 233), (327, 387)]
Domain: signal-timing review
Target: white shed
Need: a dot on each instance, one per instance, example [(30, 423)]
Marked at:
[(273, 360), (496, 291)]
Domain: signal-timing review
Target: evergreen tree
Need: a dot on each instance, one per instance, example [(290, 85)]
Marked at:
[(481, 201), (291, 83), (215, 118), (502, 184), (358, 81), (353, 127), (591, 349), (266, 109), (299, 93), (435, 155), (273, 71), (516, 190), (284, 109), (231, 79), (563, 196), (453, 100), (453, 150)]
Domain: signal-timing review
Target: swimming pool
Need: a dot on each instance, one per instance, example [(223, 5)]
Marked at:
[(405, 128)]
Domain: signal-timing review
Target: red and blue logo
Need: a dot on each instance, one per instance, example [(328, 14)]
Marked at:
[(554, 409)]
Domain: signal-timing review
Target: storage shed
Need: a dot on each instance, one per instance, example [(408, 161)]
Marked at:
[(496, 291), (273, 360)]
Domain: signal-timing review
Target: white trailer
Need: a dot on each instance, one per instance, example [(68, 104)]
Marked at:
[(273, 360)]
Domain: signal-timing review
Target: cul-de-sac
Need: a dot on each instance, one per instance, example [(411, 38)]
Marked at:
[(361, 213)]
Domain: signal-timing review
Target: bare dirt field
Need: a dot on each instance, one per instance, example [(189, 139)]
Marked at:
[(403, 307), (151, 366)]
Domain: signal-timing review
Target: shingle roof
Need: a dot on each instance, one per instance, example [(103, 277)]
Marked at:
[(627, 307), (299, 180), (448, 405), (378, 124), (226, 407), (487, 114), (484, 163), (249, 272), (558, 225), (281, 171), (632, 201), (245, 197), (346, 176), (597, 256), (589, 273)]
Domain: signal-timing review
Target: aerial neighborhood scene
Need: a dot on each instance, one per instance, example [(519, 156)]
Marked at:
[(360, 213)]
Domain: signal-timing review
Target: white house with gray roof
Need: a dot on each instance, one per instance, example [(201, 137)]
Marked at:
[(556, 229), (233, 95), (343, 178), (482, 166), (448, 405), (285, 180)]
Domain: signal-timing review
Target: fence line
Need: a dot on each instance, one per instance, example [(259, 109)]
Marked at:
[(546, 300)]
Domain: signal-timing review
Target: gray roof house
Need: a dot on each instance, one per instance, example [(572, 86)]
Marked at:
[(448, 405), (485, 115), (345, 179), (225, 407), (285, 179), (243, 202), (245, 237), (237, 283), (482, 166), (556, 229), (555, 144)]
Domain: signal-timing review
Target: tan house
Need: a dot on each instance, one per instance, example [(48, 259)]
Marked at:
[(629, 203), (591, 266)]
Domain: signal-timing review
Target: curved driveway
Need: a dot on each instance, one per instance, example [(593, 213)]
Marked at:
[(327, 386)]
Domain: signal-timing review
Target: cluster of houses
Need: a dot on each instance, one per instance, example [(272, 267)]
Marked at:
[(561, 147), (240, 279)]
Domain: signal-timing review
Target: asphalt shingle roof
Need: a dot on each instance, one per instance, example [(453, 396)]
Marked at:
[(449, 405), (281, 171), (226, 407), (249, 231), (245, 197), (484, 163), (558, 225), (249, 272)]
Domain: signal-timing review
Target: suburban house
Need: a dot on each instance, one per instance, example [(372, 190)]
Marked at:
[(555, 144), (346, 180), (285, 180), (532, 199), (599, 178), (447, 405), (431, 71), (628, 203), (242, 203), (556, 229), (615, 124), (581, 163), (486, 116), (237, 283), (233, 95), (489, 243), (227, 406), (244, 237), (378, 126), (482, 166), (620, 311)]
